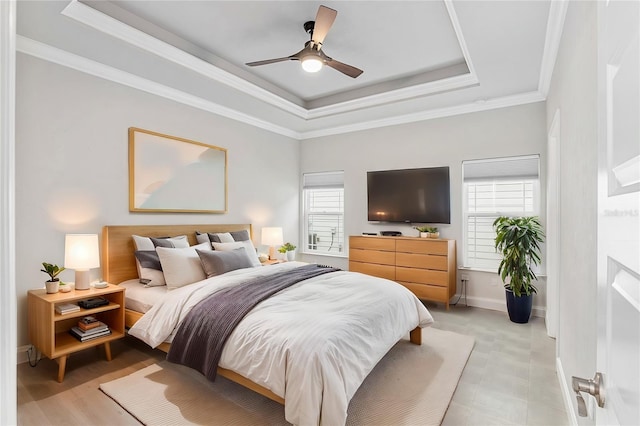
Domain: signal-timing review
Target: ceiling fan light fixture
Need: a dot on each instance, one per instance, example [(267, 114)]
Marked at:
[(311, 63)]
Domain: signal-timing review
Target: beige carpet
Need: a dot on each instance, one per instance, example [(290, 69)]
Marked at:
[(412, 385)]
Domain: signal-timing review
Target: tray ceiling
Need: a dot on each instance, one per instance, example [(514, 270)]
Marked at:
[(420, 58)]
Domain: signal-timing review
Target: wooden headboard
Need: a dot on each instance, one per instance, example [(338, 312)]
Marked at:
[(118, 260)]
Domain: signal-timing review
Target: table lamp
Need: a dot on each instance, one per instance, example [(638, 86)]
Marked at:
[(272, 236), (81, 252)]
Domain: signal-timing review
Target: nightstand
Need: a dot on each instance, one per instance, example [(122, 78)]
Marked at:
[(272, 262), (49, 330)]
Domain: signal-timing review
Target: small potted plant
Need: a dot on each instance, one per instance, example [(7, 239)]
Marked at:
[(53, 283), (423, 230), (289, 250), (433, 232)]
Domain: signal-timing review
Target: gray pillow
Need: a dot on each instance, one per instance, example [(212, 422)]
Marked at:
[(218, 262), (148, 259)]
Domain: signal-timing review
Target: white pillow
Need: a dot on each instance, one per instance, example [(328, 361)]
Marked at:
[(248, 245), (181, 266), (154, 277)]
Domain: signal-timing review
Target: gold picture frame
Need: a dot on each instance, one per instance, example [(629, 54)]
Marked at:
[(168, 174)]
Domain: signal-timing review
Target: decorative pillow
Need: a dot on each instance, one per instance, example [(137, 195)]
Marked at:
[(240, 235), (150, 276), (181, 266), (175, 242), (218, 262), (221, 237), (202, 238), (250, 249), (149, 268), (146, 243)]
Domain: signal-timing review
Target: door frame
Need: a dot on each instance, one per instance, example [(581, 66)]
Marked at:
[(553, 262)]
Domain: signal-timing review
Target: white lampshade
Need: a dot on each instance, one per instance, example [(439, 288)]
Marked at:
[(81, 252), (272, 236)]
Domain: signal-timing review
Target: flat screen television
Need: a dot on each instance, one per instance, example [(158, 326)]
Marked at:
[(409, 195)]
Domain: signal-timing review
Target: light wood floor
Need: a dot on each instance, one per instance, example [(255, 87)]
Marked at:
[(509, 379)]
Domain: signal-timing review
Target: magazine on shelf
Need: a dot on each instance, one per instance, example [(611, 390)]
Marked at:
[(65, 308), (83, 336)]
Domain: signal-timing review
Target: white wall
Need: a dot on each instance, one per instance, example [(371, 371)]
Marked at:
[(573, 93), (72, 166), (441, 142)]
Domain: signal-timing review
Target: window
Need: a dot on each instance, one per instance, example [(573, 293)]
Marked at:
[(323, 197), (493, 188)]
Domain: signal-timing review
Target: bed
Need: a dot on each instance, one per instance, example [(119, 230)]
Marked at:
[(280, 369)]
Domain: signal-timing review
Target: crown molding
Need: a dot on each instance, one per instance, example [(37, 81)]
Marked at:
[(117, 29), (79, 63), (455, 23), (392, 96), (555, 25), (102, 22), (503, 102), (88, 66)]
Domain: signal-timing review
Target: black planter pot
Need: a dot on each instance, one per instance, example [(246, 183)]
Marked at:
[(519, 307)]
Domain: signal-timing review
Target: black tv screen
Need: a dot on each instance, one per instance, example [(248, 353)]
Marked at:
[(409, 195)]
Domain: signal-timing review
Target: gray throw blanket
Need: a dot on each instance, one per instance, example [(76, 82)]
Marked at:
[(201, 336)]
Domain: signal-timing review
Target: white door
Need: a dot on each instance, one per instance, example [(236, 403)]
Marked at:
[(618, 357)]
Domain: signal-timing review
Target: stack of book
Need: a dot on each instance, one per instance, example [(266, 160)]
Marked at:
[(89, 328), (65, 308)]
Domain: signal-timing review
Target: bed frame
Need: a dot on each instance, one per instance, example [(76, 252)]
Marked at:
[(118, 265)]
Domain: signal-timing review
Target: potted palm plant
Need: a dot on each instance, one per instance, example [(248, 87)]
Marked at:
[(53, 283), (518, 240)]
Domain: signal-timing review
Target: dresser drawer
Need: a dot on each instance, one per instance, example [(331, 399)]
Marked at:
[(424, 261), (423, 246), (372, 256), (428, 292), (372, 243), (422, 276), (382, 271)]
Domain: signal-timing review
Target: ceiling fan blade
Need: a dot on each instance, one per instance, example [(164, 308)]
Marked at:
[(343, 68), (271, 61), (294, 57), (324, 21)]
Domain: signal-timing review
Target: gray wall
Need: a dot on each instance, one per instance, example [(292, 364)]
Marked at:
[(72, 166), (573, 93), (441, 142)]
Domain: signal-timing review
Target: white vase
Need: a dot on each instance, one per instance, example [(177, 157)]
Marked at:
[(291, 255), (52, 286), (424, 235)]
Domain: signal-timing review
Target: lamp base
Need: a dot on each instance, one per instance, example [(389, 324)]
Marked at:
[(82, 280), (272, 253)]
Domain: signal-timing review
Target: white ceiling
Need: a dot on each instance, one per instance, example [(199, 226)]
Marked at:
[(421, 59)]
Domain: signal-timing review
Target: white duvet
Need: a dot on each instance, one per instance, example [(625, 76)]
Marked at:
[(312, 344)]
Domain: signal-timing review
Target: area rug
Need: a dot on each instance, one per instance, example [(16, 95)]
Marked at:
[(411, 385)]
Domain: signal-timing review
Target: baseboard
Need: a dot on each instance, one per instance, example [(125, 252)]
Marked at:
[(567, 394), (496, 305), (22, 354)]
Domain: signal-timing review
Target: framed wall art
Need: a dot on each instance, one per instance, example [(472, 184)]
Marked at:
[(172, 174)]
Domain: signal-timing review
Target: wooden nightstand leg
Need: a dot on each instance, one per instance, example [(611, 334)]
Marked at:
[(107, 350), (62, 365)]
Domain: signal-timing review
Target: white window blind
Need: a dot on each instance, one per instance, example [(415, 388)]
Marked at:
[(323, 195), (493, 188)]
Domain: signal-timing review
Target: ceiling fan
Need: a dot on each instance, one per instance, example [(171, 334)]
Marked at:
[(312, 57)]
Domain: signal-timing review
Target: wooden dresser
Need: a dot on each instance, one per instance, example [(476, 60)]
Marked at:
[(425, 266)]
